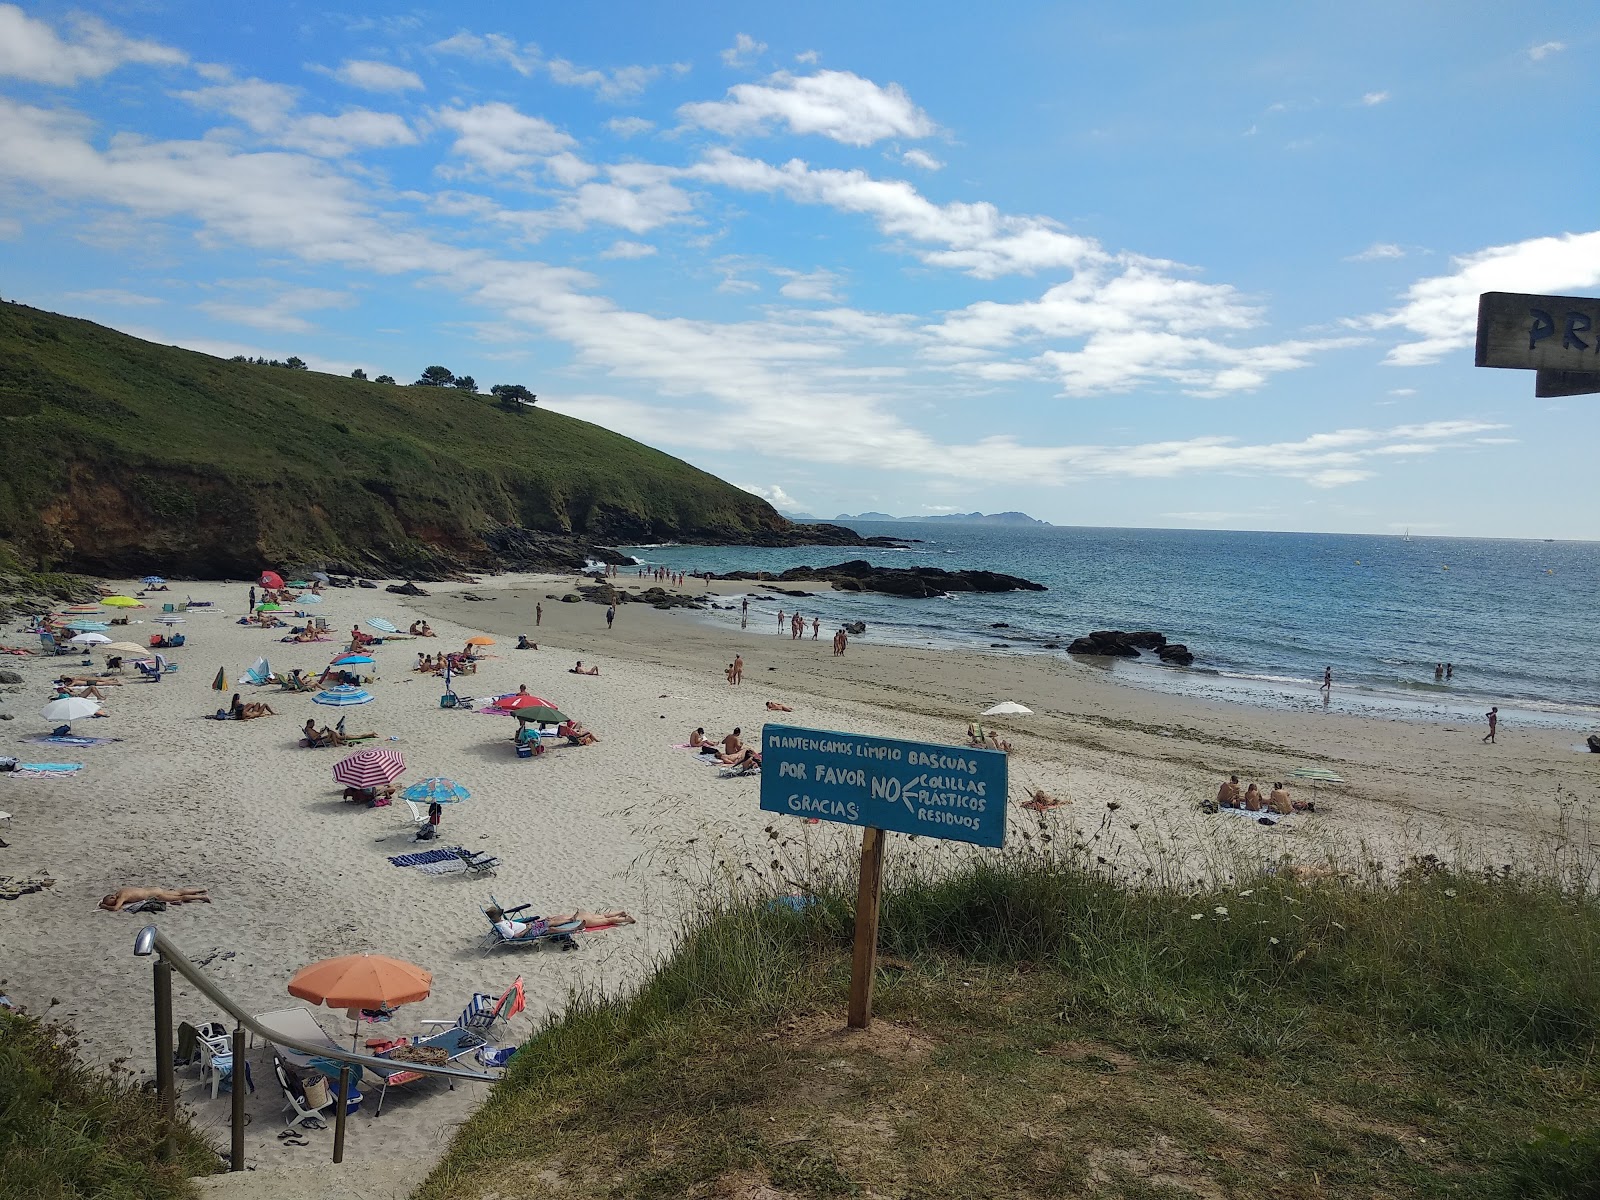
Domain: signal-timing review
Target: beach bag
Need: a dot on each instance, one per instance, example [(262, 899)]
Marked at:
[(8, 764), (317, 1095), (448, 700)]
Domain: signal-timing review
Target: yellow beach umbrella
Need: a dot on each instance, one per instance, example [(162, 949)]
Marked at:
[(121, 602)]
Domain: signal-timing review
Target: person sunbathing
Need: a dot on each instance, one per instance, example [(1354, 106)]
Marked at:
[(124, 896), (1039, 800), (1278, 801), (539, 927), (774, 706), (576, 734), (996, 742), (240, 711), (594, 920), (749, 760), (731, 745), (372, 797), (524, 644), (1252, 798), (580, 669)]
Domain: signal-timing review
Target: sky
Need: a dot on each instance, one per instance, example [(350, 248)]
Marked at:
[(1173, 265)]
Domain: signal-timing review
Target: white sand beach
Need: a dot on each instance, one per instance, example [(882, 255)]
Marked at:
[(297, 875)]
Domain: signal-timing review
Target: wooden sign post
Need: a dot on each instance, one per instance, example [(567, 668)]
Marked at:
[(885, 785), (1556, 336)]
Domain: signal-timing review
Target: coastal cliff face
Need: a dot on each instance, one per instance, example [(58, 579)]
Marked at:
[(124, 457)]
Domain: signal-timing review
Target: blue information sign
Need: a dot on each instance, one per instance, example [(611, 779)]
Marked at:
[(925, 788)]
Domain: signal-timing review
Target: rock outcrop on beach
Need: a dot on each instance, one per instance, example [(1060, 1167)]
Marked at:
[(1114, 643), (916, 583), (124, 457)]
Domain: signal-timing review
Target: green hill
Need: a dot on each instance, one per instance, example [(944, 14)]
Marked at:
[(122, 456)]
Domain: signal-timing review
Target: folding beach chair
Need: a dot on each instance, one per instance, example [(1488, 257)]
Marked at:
[(301, 1109), (539, 933), (483, 1011), (472, 862)]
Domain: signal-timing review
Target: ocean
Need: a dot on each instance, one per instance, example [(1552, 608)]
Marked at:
[(1264, 613)]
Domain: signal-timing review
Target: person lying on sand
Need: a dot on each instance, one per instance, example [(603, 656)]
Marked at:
[(124, 896), (580, 669), (375, 797), (774, 706), (748, 760), (1039, 800), (240, 711), (594, 920), (572, 922)]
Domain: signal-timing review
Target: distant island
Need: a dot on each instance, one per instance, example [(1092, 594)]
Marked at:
[(972, 518)]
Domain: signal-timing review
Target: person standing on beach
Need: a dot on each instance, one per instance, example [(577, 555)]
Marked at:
[(816, 627), (538, 613), (252, 597), (738, 669), (1327, 685), (1493, 717), (780, 620), (611, 614)]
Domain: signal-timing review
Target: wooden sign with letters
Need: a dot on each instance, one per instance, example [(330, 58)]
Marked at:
[(1557, 336)]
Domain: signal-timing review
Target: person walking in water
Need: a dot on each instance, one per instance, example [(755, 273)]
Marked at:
[(780, 620), (816, 627), (1438, 672), (1327, 684), (1493, 717)]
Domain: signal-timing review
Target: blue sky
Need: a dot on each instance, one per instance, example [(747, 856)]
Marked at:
[(1179, 265)]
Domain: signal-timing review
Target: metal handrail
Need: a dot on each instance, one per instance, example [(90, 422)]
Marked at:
[(150, 938)]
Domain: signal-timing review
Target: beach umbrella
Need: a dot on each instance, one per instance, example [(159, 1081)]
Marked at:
[(320, 576), (437, 790), (124, 648), (169, 620), (309, 598), (385, 626), (362, 981), (481, 640), (88, 626), (269, 606), (345, 660), (342, 696), (271, 579), (69, 709), (220, 683), (152, 579), (369, 768), (543, 715), (90, 639), (522, 700), (1315, 775), (1008, 708), (121, 602)]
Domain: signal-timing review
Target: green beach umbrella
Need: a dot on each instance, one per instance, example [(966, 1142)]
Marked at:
[(220, 683)]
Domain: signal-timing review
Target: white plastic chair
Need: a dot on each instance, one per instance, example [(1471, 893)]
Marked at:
[(216, 1062), (301, 1112)]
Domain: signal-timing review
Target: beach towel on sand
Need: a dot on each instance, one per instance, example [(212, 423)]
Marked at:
[(1261, 818), (423, 857), (44, 770), (69, 739)]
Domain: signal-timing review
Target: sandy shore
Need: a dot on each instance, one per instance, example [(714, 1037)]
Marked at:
[(297, 875)]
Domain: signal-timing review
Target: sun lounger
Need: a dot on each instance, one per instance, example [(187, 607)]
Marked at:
[(456, 1043), (471, 862), (538, 933), (300, 1024)]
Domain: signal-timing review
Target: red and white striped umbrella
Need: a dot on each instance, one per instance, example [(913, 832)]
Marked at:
[(522, 700), (369, 768)]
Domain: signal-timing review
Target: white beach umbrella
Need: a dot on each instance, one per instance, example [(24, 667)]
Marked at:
[(1008, 708), (89, 639), (69, 709)]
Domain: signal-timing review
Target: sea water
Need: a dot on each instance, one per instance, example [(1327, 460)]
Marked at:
[(1264, 613)]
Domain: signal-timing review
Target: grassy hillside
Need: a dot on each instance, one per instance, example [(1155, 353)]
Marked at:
[(122, 455), (1045, 1029)]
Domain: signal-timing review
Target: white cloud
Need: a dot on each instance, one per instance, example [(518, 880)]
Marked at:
[(1370, 99), (491, 47), (809, 57), (1545, 49), (773, 495), (620, 83), (281, 312), (113, 296), (1402, 391), (628, 250), (268, 109), (745, 49), (836, 104), (372, 76), (809, 285), (922, 159), (1378, 252), (628, 127), (1206, 518), (1442, 311), (30, 49), (10, 228), (497, 139)]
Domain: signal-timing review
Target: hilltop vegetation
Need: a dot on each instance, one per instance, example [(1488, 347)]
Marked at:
[(123, 456)]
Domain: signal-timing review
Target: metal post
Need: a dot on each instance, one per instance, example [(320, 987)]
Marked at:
[(166, 1082), (340, 1112), (239, 1081)]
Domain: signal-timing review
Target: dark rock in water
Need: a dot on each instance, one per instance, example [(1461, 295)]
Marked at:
[(1000, 625), (772, 587), (999, 645), (661, 598), (1102, 646), (366, 583), (471, 596), (408, 589), (1593, 742), (549, 595), (1175, 653), (1052, 645), (915, 583), (1147, 639), (854, 628), (1114, 643), (571, 598), (10, 677)]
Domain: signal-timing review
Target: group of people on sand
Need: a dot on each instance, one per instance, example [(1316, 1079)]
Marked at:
[(730, 750), (1251, 799), (239, 710), (977, 735), (421, 629)]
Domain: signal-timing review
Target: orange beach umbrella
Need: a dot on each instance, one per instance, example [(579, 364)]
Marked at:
[(361, 981), (480, 640)]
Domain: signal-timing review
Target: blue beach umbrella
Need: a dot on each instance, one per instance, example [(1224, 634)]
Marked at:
[(309, 598), (346, 659), (343, 696), (444, 791), (152, 579), (384, 625)]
